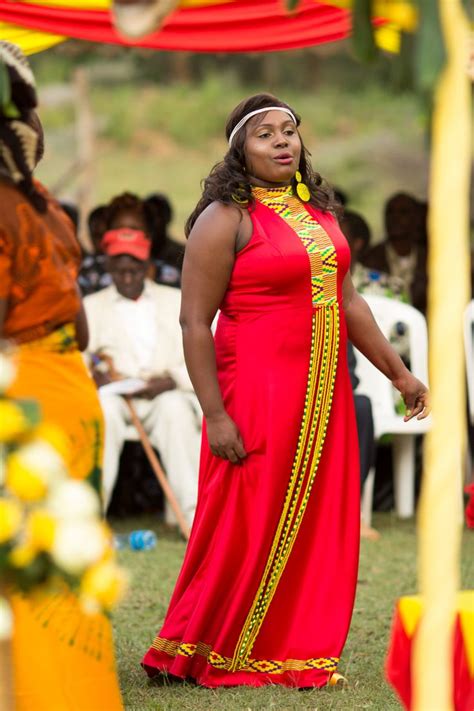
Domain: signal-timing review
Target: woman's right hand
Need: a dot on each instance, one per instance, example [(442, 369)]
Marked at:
[(224, 438)]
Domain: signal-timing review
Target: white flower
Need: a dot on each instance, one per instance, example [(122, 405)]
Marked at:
[(7, 372), (78, 544), (44, 460), (33, 469), (6, 620), (74, 500)]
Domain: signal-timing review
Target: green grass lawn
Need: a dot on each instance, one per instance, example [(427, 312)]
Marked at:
[(387, 570)]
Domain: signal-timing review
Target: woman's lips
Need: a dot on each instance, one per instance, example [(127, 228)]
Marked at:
[(284, 159)]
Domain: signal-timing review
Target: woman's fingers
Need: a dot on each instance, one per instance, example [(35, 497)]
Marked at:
[(224, 439), (240, 449), (425, 406), (417, 406), (233, 456), (233, 452)]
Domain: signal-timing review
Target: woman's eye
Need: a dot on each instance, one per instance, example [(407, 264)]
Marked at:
[(290, 132), (263, 135)]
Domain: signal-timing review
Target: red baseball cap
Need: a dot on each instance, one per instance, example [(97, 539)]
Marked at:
[(124, 240)]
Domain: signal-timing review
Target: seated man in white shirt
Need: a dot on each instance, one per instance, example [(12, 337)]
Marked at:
[(135, 324)]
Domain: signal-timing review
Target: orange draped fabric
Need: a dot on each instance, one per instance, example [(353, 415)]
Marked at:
[(39, 261)]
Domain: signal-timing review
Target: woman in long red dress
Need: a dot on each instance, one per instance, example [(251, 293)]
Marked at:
[(266, 591)]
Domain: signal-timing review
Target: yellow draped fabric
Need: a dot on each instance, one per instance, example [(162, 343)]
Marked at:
[(30, 41), (63, 659)]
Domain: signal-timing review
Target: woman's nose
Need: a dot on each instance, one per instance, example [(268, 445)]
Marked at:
[(281, 140)]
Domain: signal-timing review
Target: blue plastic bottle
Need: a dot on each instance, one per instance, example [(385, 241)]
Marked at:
[(142, 540)]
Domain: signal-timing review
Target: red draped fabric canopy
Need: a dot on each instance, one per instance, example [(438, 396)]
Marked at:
[(236, 26)]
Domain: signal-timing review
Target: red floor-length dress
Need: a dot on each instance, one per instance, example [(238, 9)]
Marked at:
[(266, 591)]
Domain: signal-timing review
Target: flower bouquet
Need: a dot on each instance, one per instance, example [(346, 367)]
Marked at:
[(51, 531)]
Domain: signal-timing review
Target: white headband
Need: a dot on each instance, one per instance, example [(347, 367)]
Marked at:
[(243, 121)]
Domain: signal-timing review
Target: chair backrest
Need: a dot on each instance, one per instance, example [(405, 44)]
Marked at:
[(388, 313), (469, 351)]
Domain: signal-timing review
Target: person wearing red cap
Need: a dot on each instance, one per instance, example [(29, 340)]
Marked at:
[(134, 323)]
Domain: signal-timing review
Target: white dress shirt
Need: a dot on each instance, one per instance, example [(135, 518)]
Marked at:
[(143, 336)]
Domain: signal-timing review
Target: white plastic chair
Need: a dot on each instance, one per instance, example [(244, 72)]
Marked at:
[(387, 313), (469, 351)]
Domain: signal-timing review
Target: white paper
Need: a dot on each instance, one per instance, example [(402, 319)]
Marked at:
[(127, 386)]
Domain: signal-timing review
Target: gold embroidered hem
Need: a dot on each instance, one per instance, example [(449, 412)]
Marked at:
[(266, 666)]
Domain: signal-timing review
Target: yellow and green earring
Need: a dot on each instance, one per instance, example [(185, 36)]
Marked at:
[(237, 196), (302, 189)]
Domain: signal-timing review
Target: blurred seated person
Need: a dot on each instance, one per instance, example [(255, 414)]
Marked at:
[(402, 254), (365, 432), (371, 281), (368, 281), (134, 324), (166, 253), (93, 274), (72, 212), (341, 196)]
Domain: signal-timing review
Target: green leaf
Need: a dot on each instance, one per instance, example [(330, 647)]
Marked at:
[(430, 54), (31, 411), (363, 40), (5, 92), (10, 111), (292, 4), (469, 8)]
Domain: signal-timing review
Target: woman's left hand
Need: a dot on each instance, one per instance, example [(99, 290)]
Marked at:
[(415, 396)]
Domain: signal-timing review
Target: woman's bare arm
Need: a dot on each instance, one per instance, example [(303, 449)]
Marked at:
[(208, 263), (367, 337)]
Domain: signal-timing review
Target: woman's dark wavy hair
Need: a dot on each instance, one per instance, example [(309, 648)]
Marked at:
[(228, 179)]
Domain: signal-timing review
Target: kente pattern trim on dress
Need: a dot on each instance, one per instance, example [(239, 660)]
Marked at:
[(266, 666), (321, 252), (316, 412)]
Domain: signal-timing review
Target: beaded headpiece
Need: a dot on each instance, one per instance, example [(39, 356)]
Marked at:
[(18, 139)]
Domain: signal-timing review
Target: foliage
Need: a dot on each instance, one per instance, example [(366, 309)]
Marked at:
[(429, 52), (362, 31), (165, 137), (429, 56)]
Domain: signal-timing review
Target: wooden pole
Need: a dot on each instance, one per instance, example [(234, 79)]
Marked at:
[(158, 471), (439, 525), (149, 451)]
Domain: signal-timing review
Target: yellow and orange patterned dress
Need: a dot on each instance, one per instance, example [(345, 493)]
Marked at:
[(63, 660)]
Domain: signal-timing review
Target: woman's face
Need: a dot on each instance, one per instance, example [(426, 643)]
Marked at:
[(272, 148)]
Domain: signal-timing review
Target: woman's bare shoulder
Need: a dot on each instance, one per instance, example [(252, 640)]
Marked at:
[(218, 224), (227, 214)]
